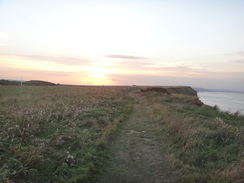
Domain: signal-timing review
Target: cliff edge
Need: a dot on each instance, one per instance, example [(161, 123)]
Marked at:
[(184, 90)]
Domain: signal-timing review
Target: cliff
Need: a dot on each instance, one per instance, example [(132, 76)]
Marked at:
[(184, 90)]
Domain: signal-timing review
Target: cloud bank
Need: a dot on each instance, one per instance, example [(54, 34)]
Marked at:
[(125, 57), (71, 70)]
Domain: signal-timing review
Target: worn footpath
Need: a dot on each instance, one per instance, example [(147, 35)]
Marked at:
[(137, 155)]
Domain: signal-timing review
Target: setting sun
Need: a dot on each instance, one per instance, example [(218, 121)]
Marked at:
[(97, 72), (97, 75)]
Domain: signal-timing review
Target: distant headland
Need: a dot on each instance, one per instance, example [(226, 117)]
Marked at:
[(27, 83)]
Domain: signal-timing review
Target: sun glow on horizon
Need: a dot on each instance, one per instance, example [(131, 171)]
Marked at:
[(97, 75), (98, 72)]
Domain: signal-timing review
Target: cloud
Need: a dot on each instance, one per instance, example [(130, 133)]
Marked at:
[(176, 66), (125, 57), (240, 53), (57, 59), (240, 61), (165, 65)]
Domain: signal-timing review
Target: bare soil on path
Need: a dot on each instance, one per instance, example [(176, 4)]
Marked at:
[(137, 155)]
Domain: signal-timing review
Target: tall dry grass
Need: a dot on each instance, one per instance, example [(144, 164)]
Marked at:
[(205, 145)]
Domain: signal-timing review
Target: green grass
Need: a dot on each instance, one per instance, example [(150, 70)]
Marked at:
[(63, 134), (41, 127), (206, 143)]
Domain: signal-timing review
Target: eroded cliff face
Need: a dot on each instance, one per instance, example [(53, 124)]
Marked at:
[(184, 90), (179, 90)]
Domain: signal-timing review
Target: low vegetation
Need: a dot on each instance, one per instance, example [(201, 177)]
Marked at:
[(63, 134), (57, 134), (204, 144)]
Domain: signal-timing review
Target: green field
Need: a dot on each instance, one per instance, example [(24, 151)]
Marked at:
[(98, 134)]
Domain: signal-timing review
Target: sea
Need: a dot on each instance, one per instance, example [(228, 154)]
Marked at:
[(226, 101)]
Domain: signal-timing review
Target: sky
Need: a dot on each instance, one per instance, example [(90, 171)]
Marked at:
[(124, 42)]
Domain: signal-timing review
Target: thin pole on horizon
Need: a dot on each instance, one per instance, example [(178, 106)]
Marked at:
[(21, 81)]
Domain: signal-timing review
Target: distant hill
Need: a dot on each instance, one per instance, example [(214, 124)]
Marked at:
[(27, 83), (7, 82), (216, 90), (38, 83)]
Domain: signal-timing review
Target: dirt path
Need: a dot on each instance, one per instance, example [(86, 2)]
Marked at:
[(136, 154)]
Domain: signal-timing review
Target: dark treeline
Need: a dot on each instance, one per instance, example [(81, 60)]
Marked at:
[(27, 83)]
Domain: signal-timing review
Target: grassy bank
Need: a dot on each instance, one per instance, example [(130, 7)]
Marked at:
[(204, 144), (57, 134)]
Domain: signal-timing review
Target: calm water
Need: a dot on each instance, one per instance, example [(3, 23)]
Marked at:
[(231, 102)]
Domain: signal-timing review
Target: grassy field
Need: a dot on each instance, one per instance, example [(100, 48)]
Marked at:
[(57, 134), (73, 134)]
